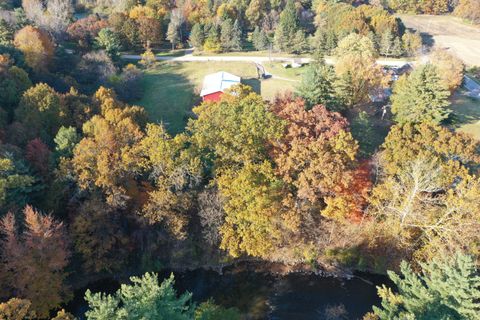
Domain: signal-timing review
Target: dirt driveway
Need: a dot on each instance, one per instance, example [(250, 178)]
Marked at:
[(449, 32)]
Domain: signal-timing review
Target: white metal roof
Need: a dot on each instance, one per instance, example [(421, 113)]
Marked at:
[(219, 81)]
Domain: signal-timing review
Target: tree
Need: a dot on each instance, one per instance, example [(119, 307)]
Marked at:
[(16, 309), (41, 111), (143, 299), (230, 36), (197, 36), (39, 156), (364, 132), (36, 259), (412, 43), (85, 30), (260, 39), (236, 129), (6, 33), (13, 83), (316, 87), (288, 26), (386, 43), (210, 311), (52, 15), (450, 68), (255, 11), (65, 141), (148, 58), (12, 181), (99, 237), (174, 31), (446, 288), (174, 171), (420, 97), (108, 40), (37, 47), (356, 66), (469, 9), (103, 159), (425, 192), (149, 30), (94, 69)]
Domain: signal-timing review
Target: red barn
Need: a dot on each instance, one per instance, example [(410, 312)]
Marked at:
[(216, 83)]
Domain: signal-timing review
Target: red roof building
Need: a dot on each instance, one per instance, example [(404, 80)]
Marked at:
[(215, 84)]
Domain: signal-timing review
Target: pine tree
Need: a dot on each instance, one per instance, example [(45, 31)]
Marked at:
[(316, 87), (386, 43), (299, 43), (287, 27), (420, 97), (6, 33), (397, 48), (237, 36), (444, 289), (197, 36)]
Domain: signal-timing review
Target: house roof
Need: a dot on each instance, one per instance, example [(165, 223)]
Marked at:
[(219, 81)]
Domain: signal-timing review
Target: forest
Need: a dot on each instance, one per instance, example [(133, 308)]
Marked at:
[(323, 177)]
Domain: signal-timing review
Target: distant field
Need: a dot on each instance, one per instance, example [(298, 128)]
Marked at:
[(172, 88), (448, 32)]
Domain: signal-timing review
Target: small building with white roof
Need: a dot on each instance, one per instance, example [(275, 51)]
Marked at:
[(215, 84)]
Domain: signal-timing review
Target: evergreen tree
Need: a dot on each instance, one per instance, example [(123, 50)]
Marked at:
[(197, 36), (386, 43), (317, 87), (6, 33), (145, 298), (444, 289), (299, 43), (420, 97), (364, 133), (107, 39), (287, 27), (260, 39), (397, 48), (344, 89), (231, 36)]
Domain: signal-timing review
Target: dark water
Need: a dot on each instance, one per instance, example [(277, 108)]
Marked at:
[(264, 296)]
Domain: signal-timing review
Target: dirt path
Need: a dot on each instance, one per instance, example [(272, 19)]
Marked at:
[(450, 33)]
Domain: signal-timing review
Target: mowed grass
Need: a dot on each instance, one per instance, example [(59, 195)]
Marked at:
[(466, 112), (172, 88)]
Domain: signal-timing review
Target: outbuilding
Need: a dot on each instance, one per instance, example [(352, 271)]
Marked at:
[(215, 84)]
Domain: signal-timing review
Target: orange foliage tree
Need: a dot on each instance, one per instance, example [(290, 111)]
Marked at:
[(36, 45)]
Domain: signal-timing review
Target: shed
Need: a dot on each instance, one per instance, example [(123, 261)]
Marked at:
[(216, 83)]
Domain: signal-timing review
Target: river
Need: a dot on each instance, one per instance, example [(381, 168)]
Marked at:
[(264, 296)]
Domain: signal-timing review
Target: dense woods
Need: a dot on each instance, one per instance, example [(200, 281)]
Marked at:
[(90, 186)]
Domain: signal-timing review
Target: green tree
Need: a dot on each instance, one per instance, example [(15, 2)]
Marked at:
[(287, 28), (11, 181), (210, 311), (317, 86), (107, 39), (366, 135), (260, 39), (197, 36), (13, 83), (447, 288), (6, 33), (420, 97), (145, 298), (65, 141), (230, 36)]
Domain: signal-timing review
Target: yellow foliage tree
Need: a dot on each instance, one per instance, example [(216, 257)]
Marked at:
[(36, 45)]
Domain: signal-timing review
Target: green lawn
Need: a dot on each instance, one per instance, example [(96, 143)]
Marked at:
[(172, 88), (466, 112)]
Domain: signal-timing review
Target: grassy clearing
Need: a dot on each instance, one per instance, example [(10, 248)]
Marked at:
[(466, 112), (172, 88)]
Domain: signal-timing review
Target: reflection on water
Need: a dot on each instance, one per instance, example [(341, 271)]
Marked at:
[(265, 296)]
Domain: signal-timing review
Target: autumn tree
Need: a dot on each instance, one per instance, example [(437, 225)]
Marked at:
[(174, 31), (445, 288), (85, 30), (36, 259), (426, 190), (41, 111), (99, 237), (174, 172), (412, 43), (37, 47), (420, 96), (39, 156), (450, 69), (469, 9), (236, 129), (144, 298), (103, 158), (356, 57), (316, 153), (16, 309)]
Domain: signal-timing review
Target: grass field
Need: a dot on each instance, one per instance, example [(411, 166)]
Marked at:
[(172, 88), (466, 112), (448, 32)]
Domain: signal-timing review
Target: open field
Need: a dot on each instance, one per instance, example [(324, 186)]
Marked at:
[(172, 88), (466, 112), (448, 32)]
